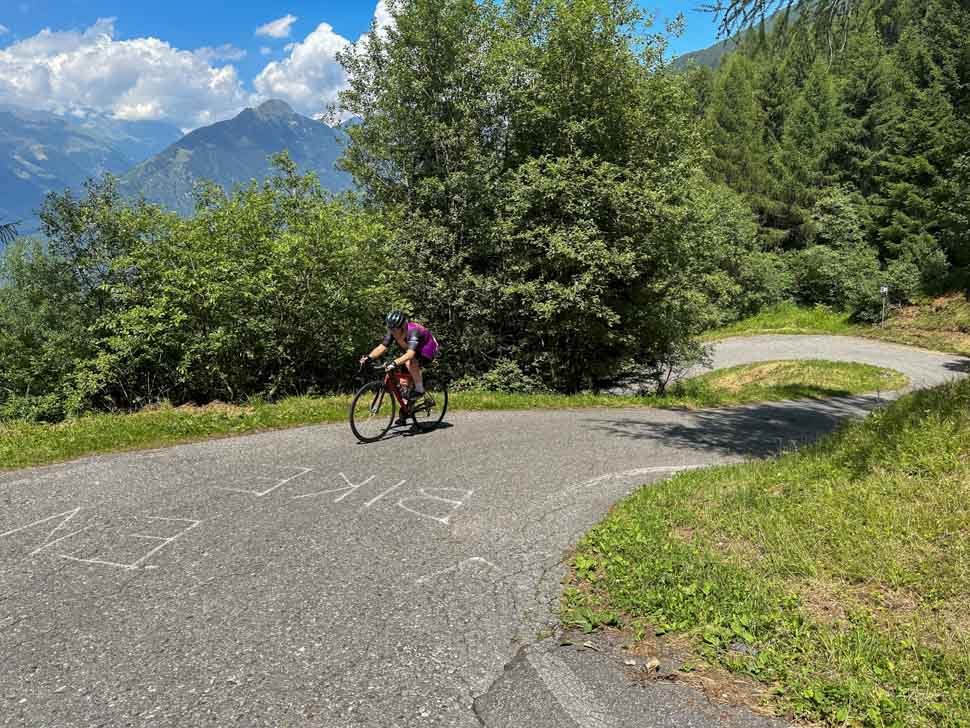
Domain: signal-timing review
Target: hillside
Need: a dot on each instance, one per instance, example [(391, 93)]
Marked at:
[(709, 57), (235, 151), (41, 152)]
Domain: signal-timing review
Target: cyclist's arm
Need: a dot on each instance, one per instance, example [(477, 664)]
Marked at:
[(378, 352), (406, 357)]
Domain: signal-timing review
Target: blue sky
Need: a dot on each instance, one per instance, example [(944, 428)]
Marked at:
[(194, 62)]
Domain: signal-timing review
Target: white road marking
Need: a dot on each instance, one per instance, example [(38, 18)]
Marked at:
[(345, 489), (65, 517), (261, 493), (135, 564), (427, 496), (637, 472), (390, 490), (580, 704)]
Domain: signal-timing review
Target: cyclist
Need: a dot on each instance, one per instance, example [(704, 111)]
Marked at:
[(419, 347)]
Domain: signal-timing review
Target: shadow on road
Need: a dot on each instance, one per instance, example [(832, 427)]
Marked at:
[(413, 430), (753, 431), (961, 366)]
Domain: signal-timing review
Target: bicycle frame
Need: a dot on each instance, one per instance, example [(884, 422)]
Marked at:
[(392, 384)]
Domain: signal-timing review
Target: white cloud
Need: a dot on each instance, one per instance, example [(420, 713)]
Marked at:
[(147, 78), (310, 77), (4, 29), (382, 15), (279, 28), (225, 52), (141, 78)]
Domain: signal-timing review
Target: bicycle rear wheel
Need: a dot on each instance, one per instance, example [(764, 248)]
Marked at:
[(372, 412), (430, 409)]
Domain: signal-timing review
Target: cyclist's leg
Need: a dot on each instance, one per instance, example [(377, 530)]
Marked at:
[(414, 368)]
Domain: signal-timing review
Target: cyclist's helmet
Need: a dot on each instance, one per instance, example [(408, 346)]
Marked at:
[(395, 319)]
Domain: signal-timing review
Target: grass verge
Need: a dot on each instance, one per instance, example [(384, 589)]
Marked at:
[(838, 576), (23, 444), (941, 324), (787, 318)]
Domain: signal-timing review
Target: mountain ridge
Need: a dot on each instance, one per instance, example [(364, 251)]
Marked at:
[(42, 152), (237, 150)]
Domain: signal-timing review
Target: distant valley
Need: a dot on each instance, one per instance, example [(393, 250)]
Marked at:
[(41, 152)]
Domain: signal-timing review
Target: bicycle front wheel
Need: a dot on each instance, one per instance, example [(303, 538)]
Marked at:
[(430, 409), (372, 412)]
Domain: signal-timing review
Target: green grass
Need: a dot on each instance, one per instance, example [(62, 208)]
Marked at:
[(787, 318), (23, 444), (842, 571), (941, 324)]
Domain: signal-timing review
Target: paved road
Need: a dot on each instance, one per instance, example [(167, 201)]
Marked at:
[(298, 578)]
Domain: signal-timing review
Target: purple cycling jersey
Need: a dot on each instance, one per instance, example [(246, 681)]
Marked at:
[(419, 340)]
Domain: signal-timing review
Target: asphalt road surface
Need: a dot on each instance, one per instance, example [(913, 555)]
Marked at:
[(297, 578)]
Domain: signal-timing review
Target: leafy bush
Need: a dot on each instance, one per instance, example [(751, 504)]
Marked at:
[(904, 280), (273, 290), (837, 277), (764, 279), (505, 376)]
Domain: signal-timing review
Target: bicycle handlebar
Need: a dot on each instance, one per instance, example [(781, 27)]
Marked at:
[(378, 365)]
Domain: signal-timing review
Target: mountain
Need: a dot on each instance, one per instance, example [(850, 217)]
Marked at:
[(714, 54), (41, 152), (137, 140), (710, 56), (236, 151)]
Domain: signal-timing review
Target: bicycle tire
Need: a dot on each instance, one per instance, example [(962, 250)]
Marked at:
[(430, 417), (379, 395)]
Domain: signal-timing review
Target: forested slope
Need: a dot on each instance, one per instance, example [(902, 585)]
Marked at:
[(861, 146)]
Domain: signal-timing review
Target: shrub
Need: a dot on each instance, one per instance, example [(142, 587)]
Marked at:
[(904, 280), (838, 277), (505, 376), (765, 279), (274, 290)]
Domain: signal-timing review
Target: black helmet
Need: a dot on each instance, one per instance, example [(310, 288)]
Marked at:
[(395, 319)]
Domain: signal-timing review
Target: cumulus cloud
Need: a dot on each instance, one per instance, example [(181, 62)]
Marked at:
[(264, 51), (310, 77), (141, 78), (225, 52), (4, 29), (382, 15), (279, 28)]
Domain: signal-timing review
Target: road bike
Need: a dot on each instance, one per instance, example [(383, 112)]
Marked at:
[(373, 409)]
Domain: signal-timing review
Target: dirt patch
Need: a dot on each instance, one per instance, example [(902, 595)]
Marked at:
[(831, 602), (670, 658), (683, 534), (756, 374), (216, 407)]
